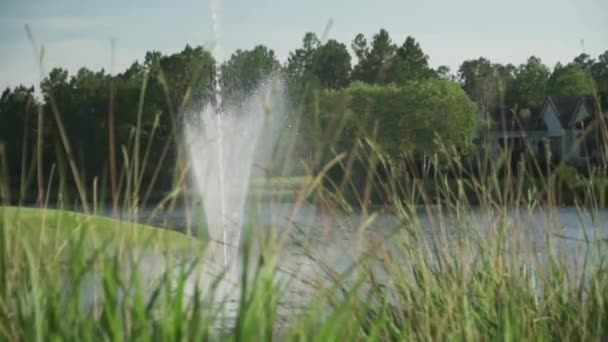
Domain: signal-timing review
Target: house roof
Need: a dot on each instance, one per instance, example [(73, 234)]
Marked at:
[(513, 119), (568, 106), (565, 106)]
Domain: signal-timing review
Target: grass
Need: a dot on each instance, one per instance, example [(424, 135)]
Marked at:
[(72, 276), (416, 285), (281, 182), (51, 227)]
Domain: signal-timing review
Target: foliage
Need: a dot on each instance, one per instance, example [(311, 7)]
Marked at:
[(300, 61), (485, 82), (105, 117), (570, 80), (374, 61), (529, 88), (245, 69), (410, 63), (418, 117), (599, 70), (331, 65), (85, 102), (186, 77), (18, 116), (384, 62)]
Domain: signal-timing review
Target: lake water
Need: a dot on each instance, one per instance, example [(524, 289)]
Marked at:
[(337, 239), (320, 242)]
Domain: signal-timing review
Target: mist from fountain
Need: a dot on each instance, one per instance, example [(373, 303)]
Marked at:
[(229, 141), (225, 143)]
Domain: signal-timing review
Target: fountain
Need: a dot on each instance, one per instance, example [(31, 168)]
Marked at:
[(225, 140), (223, 145)]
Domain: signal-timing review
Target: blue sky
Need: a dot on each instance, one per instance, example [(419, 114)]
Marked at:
[(78, 33)]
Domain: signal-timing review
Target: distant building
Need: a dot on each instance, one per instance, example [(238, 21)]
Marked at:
[(555, 130)]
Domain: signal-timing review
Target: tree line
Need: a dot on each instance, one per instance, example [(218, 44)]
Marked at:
[(92, 123)]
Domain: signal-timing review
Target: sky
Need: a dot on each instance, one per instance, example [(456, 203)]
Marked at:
[(111, 34)]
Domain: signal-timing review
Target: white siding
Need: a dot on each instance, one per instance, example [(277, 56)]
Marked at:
[(550, 117), (581, 114)]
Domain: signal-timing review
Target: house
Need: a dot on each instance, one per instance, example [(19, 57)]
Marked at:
[(556, 130)]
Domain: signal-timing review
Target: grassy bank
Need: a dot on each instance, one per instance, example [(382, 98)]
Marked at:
[(50, 227)]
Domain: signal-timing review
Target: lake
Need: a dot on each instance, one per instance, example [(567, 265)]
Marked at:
[(337, 238), (321, 244)]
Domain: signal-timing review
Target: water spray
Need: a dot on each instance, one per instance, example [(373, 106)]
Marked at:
[(215, 11)]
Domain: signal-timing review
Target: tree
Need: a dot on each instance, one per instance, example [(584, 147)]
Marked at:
[(373, 65), (443, 72), (247, 68), (447, 109), (599, 71), (584, 60), (331, 65), (359, 46), (485, 83), (410, 63), (177, 85), (417, 118), (184, 77), (570, 80), (88, 116), (17, 115), (505, 76), (300, 61), (530, 85)]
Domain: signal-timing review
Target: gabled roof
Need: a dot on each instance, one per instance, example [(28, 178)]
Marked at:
[(592, 104), (567, 107)]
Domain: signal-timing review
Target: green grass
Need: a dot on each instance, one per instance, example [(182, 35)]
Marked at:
[(471, 290), (50, 227)]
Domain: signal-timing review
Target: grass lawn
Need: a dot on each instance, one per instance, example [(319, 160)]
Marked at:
[(49, 230)]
